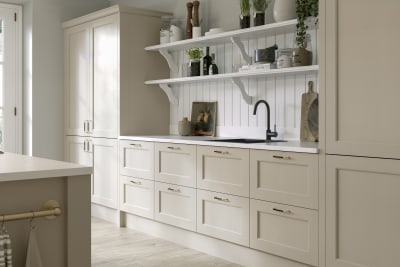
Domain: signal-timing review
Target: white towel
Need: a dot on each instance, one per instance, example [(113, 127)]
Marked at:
[(33, 258)]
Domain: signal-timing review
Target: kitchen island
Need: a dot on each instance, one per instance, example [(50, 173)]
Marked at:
[(26, 183)]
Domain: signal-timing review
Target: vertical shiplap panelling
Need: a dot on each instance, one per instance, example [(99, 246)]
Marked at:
[(282, 93), (236, 96)]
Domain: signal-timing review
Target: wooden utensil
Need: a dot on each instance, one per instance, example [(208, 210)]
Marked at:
[(189, 25), (309, 115)]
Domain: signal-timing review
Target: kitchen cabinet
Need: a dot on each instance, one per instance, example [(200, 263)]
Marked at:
[(362, 90), (175, 164), (105, 169), (223, 169), (104, 92), (283, 230), (284, 177), (137, 159), (223, 216), (362, 213), (240, 39), (137, 196), (175, 205)]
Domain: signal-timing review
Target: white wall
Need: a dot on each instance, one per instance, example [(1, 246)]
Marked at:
[(43, 71)]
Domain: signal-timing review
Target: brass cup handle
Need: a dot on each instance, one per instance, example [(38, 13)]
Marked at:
[(222, 199), (282, 211), (174, 190)]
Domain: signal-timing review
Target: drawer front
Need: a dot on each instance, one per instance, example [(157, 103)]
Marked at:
[(137, 159), (283, 230), (175, 164), (224, 170), (137, 196), (223, 216), (284, 177), (175, 205)]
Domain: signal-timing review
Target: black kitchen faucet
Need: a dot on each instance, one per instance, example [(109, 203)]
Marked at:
[(269, 132)]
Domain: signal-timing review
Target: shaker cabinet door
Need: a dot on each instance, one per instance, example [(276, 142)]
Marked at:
[(362, 78)]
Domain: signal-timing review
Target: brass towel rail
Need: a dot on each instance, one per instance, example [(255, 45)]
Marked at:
[(50, 210)]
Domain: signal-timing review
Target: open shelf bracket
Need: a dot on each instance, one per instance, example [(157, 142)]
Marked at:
[(239, 44), (171, 96), (248, 99), (171, 63)]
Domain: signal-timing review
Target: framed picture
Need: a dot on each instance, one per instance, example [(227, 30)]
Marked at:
[(204, 118)]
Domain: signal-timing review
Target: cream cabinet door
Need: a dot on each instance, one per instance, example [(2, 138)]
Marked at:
[(283, 230), (284, 177), (223, 216), (223, 169), (362, 212), (105, 120), (78, 81), (175, 205), (136, 159), (175, 164), (362, 79), (105, 172), (137, 196), (77, 150)]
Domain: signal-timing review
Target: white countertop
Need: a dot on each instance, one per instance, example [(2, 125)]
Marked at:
[(15, 167), (291, 146)]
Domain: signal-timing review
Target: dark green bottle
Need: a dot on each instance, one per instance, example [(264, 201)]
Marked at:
[(207, 60)]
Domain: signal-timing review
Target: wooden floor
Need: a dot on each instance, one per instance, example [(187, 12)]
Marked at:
[(114, 247)]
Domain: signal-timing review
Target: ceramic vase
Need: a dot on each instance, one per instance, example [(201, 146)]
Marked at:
[(259, 18), (184, 127), (244, 21), (194, 68), (284, 10)]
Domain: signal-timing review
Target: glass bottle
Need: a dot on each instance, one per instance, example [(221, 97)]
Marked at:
[(207, 60), (213, 69)]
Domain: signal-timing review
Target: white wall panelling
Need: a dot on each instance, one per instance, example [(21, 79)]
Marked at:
[(234, 115)]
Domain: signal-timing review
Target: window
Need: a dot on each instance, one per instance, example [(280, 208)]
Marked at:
[(10, 78)]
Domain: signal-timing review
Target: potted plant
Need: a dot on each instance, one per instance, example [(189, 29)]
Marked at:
[(195, 55), (244, 14), (304, 10), (259, 15)]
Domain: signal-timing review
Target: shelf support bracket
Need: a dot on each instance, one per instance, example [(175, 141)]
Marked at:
[(239, 44), (171, 96), (171, 63), (248, 99)]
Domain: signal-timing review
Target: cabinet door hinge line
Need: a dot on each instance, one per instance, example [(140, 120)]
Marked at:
[(15, 16), (15, 111)]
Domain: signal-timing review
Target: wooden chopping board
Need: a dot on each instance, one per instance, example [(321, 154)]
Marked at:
[(309, 115)]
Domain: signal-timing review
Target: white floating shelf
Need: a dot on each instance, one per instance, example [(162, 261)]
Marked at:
[(224, 37), (165, 84), (244, 74)]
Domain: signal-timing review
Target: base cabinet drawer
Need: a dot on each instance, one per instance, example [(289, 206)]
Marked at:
[(136, 159), (137, 196), (175, 205), (283, 230), (223, 169), (223, 216), (175, 164), (284, 177)]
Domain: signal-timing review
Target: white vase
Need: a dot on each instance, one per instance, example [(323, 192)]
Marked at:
[(284, 10)]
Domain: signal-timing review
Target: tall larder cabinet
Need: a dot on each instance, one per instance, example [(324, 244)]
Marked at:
[(105, 94), (362, 139)]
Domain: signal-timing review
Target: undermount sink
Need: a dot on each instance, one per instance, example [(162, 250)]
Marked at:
[(247, 141)]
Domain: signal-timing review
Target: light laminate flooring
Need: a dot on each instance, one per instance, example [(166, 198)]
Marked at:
[(121, 247)]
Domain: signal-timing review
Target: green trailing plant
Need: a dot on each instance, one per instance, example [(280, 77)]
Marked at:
[(304, 9), (195, 53), (245, 7), (261, 5)]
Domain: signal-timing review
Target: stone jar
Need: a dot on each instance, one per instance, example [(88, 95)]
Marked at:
[(184, 127)]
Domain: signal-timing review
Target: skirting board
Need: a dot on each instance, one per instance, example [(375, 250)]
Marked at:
[(212, 246), (106, 214)]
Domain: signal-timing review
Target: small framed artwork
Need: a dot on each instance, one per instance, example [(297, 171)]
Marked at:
[(204, 118)]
